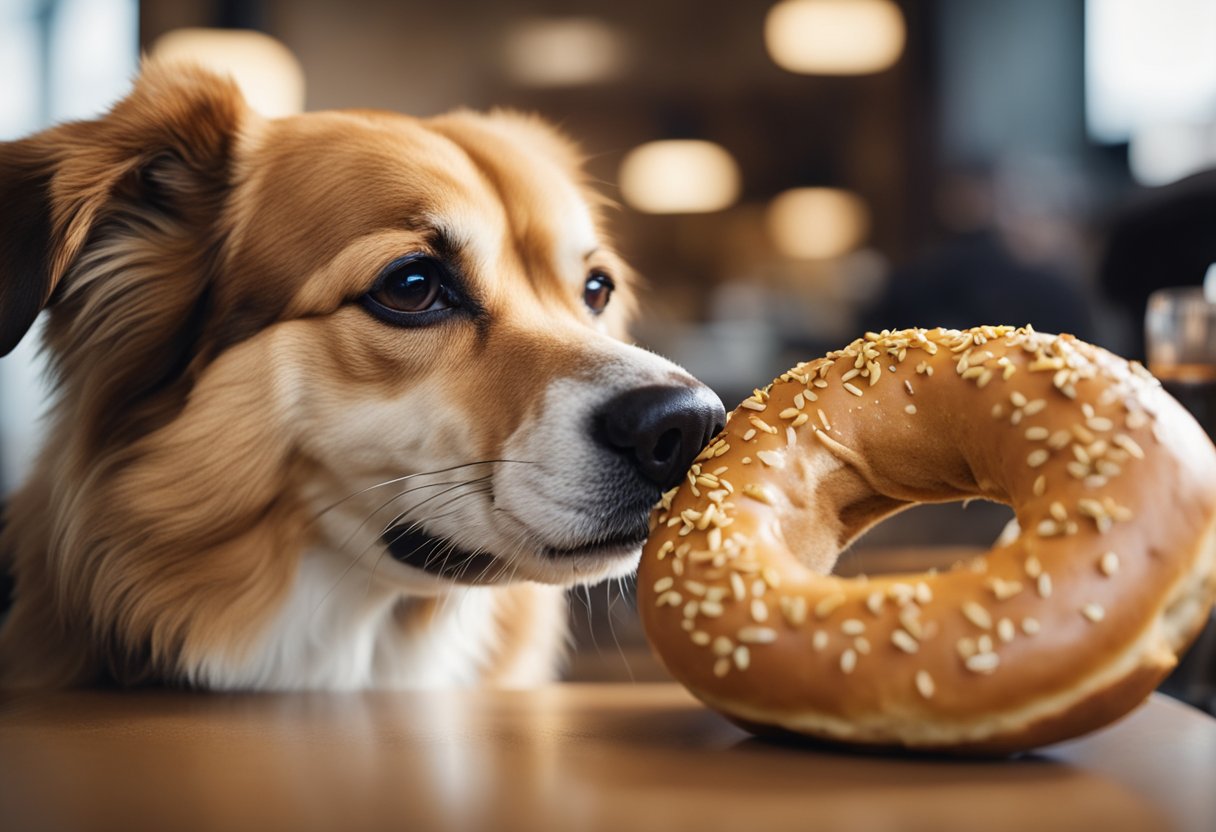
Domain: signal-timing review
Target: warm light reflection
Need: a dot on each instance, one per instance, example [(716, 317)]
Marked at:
[(563, 52), (267, 72), (817, 223), (679, 177), (834, 37)]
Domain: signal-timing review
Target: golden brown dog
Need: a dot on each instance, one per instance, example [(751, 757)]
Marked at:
[(338, 398)]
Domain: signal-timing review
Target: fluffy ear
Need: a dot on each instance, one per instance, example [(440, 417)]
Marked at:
[(164, 146)]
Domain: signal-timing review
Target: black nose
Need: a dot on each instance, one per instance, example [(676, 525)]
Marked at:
[(661, 429)]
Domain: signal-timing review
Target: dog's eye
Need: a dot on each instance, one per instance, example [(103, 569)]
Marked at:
[(410, 287), (597, 291)]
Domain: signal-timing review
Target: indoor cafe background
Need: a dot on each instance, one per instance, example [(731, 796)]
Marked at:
[(787, 174)]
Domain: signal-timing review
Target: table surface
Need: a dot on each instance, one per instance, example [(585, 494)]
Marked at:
[(619, 757)]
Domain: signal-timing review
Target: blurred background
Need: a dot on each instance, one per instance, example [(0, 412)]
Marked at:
[(788, 173)]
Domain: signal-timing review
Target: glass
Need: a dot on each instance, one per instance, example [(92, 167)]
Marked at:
[(1180, 334)]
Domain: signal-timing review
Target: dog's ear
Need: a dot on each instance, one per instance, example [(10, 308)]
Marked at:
[(165, 147)]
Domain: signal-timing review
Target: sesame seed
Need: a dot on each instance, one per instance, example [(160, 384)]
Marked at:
[(852, 627), (721, 667), (799, 400), (983, 662), (909, 617), (1005, 630), (820, 640), (752, 404), (1030, 626), (711, 609), (737, 586), (700, 638), (904, 641), (848, 660), (1044, 585), (794, 609), (723, 646), (1035, 406), (1094, 612), (1037, 457), (760, 424), (1037, 433), (924, 684), (984, 643), (1099, 423), (908, 387), (910, 410), (965, 647), (790, 436), (1048, 528), (759, 611), (1059, 439), (1040, 485), (1004, 590), (1018, 399), (823, 420), (977, 615), (851, 374), (789, 413), (749, 434), (664, 584), (874, 602), (1109, 564), (772, 576), (1058, 511), (852, 388), (757, 635), (743, 657), (669, 598), (1128, 444), (771, 459), (757, 492), (759, 587), (828, 604), (923, 594), (692, 608)]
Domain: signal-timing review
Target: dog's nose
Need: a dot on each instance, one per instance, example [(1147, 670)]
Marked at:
[(661, 429)]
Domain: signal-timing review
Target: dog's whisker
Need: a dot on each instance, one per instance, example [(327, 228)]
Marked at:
[(396, 480), (398, 496), (612, 631), (358, 557)]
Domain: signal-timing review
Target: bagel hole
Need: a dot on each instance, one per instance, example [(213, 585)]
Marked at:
[(924, 537)]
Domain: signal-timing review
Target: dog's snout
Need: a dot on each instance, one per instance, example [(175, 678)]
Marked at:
[(660, 428)]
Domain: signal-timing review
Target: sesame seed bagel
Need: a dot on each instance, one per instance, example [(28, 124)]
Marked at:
[(1054, 633)]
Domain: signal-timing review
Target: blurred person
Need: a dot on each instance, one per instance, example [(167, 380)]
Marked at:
[(1006, 261), (1163, 237)]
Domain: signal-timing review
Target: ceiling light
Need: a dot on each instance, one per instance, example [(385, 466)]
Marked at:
[(834, 37), (682, 176), (817, 223), (268, 74)]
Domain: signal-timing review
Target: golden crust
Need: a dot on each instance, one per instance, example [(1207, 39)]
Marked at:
[(1054, 633)]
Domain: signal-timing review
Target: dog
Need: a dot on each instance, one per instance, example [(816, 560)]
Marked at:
[(342, 399)]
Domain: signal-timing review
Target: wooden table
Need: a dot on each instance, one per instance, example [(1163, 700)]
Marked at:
[(613, 757)]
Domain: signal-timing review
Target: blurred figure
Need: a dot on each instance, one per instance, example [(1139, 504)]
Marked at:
[(1164, 237), (1000, 265)]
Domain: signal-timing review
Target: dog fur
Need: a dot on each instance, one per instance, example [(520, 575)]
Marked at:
[(231, 430)]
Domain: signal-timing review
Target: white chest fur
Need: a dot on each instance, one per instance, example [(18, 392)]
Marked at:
[(337, 630)]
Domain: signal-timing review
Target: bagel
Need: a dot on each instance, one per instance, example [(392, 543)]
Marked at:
[(1060, 630)]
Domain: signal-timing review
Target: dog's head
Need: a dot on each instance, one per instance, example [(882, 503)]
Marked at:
[(351, 331)]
